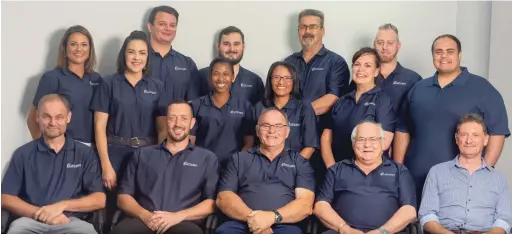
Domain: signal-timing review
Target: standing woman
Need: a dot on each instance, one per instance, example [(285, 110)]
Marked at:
[(366, 103), (282, 91), (75, 79), (224, 123), (126, 107)]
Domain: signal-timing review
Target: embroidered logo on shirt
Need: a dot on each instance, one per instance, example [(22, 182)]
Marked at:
[(399, 83), (287, 165), (189, 164), (293, 124), (149, 91), (245, 85), (93, 83), (369, 103), (236, 112), (386, 174), (317, 69), (69, 165), (180, 68)]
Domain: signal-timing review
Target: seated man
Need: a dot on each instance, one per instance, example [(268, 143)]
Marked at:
[(169, 188), (54, 181), (269, 188), (369, 193), (465, 195)]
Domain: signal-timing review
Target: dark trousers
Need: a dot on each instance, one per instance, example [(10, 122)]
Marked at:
[(236, 227), (131, 225)]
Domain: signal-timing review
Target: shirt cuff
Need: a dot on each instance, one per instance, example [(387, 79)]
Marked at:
[(502, 224), (428, 218)]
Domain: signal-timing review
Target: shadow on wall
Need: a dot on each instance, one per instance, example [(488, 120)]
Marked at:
[(215, 51), (293, 38), (144, 23), (108, 56)]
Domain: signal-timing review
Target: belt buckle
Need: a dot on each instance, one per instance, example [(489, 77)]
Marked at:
[(135, 142)]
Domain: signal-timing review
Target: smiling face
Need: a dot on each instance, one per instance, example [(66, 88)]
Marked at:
[(164, 27), (77, 48), (231, 47), (471, 139), (136, 56), (310, 31), (364, 69), (282, 82), (179, 122), (387, 45), (367, 144), (446, 56), (272, 129), (222, 77), (53, 118)]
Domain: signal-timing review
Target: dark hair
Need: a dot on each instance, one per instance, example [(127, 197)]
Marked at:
[(268, 99), (179, 102), (52, 97), (231, 29), (62, 59), (121, 58), (366, 50), (472, 118), (454, 38), (312, 12), (163, 8), (220, 60)]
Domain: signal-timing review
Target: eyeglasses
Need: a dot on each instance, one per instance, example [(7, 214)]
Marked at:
[(310, 27), (267, 127), (362, 140), (277, 78)]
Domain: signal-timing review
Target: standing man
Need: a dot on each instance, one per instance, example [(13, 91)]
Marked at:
[(247, 86), (432, 108), (394, 79), (177, 71), (323, 74)]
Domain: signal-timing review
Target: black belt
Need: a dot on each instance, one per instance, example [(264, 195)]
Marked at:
[(134, 142)]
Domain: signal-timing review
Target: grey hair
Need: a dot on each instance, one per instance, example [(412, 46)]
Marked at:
[(354, 131), (392, 27), (273, 109), (312, 12)]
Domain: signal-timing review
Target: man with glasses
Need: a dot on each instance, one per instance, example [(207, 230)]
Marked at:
[(369, 193), (268, 188)]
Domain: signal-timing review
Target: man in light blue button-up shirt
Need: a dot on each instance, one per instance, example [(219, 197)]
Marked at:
[(465, 195)]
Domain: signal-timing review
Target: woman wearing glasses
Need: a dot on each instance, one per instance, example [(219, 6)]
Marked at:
[(282, 92), (366, 102), (224, 123)]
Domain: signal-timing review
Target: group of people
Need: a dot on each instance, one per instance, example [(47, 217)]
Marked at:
[(169, 145)]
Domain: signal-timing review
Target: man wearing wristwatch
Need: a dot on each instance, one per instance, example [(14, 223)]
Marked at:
[(369, 193), (268, 189)]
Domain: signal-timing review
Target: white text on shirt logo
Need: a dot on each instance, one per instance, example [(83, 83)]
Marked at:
[(245, 85), (287, 165), (149, 91), (369, 103), (386, 174), (399, 83), (69, 165), (180, 68), (93, 83), (236, 112), (317, 69), (293, 124), (189, 164)]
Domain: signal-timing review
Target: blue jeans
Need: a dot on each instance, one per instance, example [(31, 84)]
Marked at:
[(236, 227)]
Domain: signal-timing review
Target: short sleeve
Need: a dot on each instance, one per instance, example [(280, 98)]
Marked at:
[(194, 88), (48, 84), (326, 190), (309, 126), (127, 184), (249, 123), (195, 112), (404, 121), (92, 181), (260, 91), (495, 114), (305, 177), (228, 180), (406, 187), (102, 97), (204, 81), (12, 182), (339, 75), (385, 113), (162, 101), (211, 177), (429, 208)]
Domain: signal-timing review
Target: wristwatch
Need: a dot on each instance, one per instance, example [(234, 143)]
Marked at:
[(383, 231), (278, 217)]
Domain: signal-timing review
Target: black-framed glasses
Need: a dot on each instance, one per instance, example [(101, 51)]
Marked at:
[(277, 78)]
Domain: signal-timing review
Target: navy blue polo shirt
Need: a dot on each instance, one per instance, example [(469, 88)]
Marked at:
[(247, 85), (222, 130), (397, 84), (79, 92), (178, 73), (366, 202), (301, 121), (326, 73), (40, 176), (346, 114), (263, 184), (132, 110), (430, 115), (161, 181)]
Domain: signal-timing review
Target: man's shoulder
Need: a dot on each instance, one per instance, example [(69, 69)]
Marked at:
[(441, 168), (183, 56), (335, 56), (25, 150), (204, 153), (251, 75), (410, 74)]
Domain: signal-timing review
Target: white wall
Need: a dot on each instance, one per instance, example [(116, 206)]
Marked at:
[(31, 32)]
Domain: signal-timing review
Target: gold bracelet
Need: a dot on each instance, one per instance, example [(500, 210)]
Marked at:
[(339, 228)]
